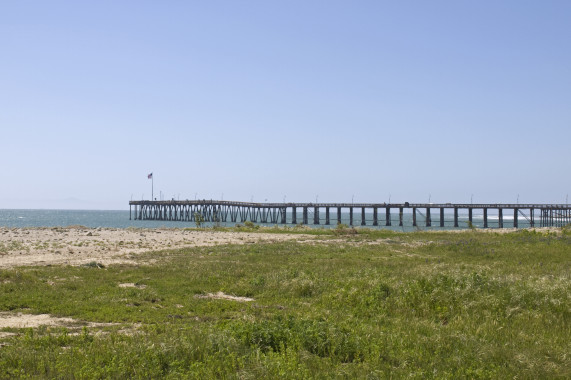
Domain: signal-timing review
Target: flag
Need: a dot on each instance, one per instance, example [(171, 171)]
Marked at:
[(150, 176)]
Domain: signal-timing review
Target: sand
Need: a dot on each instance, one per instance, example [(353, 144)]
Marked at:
[(19, 321), (81, 245), (224, 296)]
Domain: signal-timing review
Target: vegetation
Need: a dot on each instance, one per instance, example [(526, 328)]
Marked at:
[(363, 304), (198, 219)]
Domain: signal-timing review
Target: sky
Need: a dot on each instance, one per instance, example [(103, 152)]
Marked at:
[(370, 101)]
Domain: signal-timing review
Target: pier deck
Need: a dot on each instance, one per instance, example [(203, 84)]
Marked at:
[(375, 214)]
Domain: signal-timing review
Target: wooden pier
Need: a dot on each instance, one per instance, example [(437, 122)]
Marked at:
[(536, 215)]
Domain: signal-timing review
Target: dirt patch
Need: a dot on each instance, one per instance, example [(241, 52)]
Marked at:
[(366, 242), (132, 285), (20, 321), (223, 296)]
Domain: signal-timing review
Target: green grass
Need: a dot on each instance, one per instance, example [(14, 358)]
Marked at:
[(375, 304)]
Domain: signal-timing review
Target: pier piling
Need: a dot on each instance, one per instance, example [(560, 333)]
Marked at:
[(388, 216), (515, 217), (485, 217), (531, 219)]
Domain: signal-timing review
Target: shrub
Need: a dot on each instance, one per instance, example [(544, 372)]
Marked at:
[(198, 219), (343, 229)]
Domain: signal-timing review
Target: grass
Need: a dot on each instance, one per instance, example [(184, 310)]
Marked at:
[(12, 246), (371, 304)]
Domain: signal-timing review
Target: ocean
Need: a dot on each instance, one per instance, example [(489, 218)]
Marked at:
[(120, 219)]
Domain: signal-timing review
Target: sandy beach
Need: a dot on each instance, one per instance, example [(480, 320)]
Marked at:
[(81, 245), (76, 245)]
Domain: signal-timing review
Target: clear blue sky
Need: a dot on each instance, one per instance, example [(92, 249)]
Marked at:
[(266, 99)]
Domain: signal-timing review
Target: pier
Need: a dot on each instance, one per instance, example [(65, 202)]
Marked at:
[(364, 214)]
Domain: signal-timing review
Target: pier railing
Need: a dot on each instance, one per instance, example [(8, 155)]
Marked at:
[(535, 215)]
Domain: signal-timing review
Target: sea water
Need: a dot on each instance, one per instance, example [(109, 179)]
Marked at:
[(120, 219)]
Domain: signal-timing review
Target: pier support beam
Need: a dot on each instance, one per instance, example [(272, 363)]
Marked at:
[(284, 215), (316, 215), (441, 216), (531, 219), (428, 221), (350, 216), (455, 216), (470, 216), (414, 216), (401, 212), (305, 215), (363, 216), (327, 215), (500, 218), (293, 215), (375, 217), (338, 215), (485, 218), (388, 216), (515, 217)]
